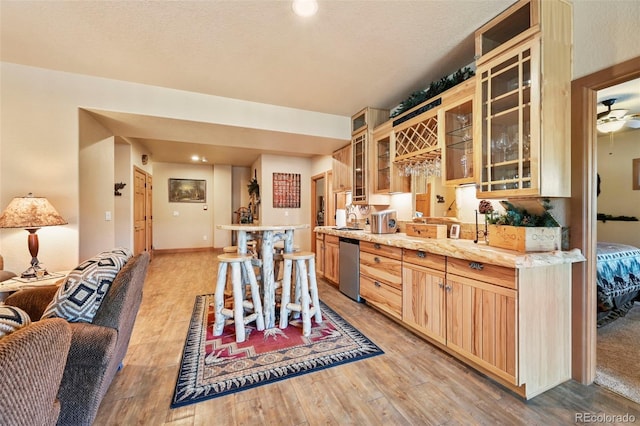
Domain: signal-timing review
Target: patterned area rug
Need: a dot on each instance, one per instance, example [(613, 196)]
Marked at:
[(216, 366)]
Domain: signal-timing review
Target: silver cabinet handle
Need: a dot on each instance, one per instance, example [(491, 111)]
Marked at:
[(422, 254), (376, 259), (377, 246), (476, 265), (377, 284)]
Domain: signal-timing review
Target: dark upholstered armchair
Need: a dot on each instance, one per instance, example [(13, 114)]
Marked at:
[(32, 361), (97, 349)]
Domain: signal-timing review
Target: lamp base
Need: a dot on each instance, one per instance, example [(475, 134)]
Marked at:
[(35, 271)]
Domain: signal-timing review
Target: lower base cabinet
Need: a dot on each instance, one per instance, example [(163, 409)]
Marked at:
[(423, 295), (512, 324), (482, 324), (332, 259), (319, 255), (381, 277)]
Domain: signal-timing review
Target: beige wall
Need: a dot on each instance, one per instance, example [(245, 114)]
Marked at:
[(221, 202), (40, 147), (269, 215), (617, 197), (182, 225), (605, 32), (123, 205)]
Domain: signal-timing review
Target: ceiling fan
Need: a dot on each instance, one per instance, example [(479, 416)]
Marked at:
[(613, 120)]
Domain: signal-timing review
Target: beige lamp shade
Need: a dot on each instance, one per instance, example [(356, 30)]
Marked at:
[(30, 213)]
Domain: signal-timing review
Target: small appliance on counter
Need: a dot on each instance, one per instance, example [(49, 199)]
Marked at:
[(384, 222)]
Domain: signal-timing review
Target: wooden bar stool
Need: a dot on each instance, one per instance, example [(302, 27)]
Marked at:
[(238, 262), (306, 286), (278, 251)]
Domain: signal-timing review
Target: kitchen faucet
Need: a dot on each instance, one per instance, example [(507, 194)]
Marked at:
[(355, 217)]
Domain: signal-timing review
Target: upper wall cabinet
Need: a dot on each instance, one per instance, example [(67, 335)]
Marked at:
[(522, 120), (342, 175), (386, 177), (363, 152)]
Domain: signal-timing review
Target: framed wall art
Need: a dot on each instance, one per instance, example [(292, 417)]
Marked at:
[(187, 190), (635, 171), (286, 190)]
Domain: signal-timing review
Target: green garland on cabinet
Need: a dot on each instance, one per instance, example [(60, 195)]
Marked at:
[(434, 89)]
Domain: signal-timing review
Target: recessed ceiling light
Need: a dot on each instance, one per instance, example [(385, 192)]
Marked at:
[(195, 158), (305, 8), (204, 159)]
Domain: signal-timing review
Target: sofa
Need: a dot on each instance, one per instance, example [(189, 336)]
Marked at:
[(98, 348), (4, 275), (32, 361)]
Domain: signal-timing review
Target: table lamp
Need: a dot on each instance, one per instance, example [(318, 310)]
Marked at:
[(31, 213)]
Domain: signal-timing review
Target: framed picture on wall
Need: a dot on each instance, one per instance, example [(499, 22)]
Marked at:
[(636, 173), (286, 190), (187, 190)]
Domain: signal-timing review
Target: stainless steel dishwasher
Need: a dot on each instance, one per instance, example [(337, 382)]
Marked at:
[(350, 268)]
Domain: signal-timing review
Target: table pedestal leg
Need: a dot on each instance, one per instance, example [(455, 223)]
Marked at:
[(268, 280)]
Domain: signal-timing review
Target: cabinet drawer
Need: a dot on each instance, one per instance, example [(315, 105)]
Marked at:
[(498, 275), (381, 250), (382, 269), (384, 296), (331, 239), (422, 258)]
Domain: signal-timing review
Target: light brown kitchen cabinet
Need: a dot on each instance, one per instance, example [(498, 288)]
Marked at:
[(423, 294), (386, 176), (455, 129), (363, 124), (482, 322), (332, 259), (522, 117), (512, 324), (381, 277), (320, 254), (342, 173)]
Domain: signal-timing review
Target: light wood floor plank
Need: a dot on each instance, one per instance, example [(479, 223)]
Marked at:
[(412, 383)]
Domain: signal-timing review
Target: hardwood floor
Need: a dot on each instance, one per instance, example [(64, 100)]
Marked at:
[(412, 383)]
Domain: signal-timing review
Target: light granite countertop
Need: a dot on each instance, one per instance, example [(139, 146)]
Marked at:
[(462, 249)]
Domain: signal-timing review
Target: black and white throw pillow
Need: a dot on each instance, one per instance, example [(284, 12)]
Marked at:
[(12, 319), (83, 290)]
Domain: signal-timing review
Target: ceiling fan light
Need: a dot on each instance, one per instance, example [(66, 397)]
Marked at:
[(610, 126)]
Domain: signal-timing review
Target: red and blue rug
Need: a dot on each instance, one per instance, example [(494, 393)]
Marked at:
[(216, 366)]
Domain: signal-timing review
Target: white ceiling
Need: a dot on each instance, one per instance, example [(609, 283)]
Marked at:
[(350, 55)]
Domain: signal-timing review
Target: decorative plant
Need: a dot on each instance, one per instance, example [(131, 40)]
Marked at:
[(515, 216), (254, 188), (434, 89)]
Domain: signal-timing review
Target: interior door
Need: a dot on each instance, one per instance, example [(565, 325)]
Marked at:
[(142, 211)]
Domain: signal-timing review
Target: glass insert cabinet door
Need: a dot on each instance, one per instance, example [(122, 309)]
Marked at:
[(383, 164), (506, 115), (457, 122), (359, 167)]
